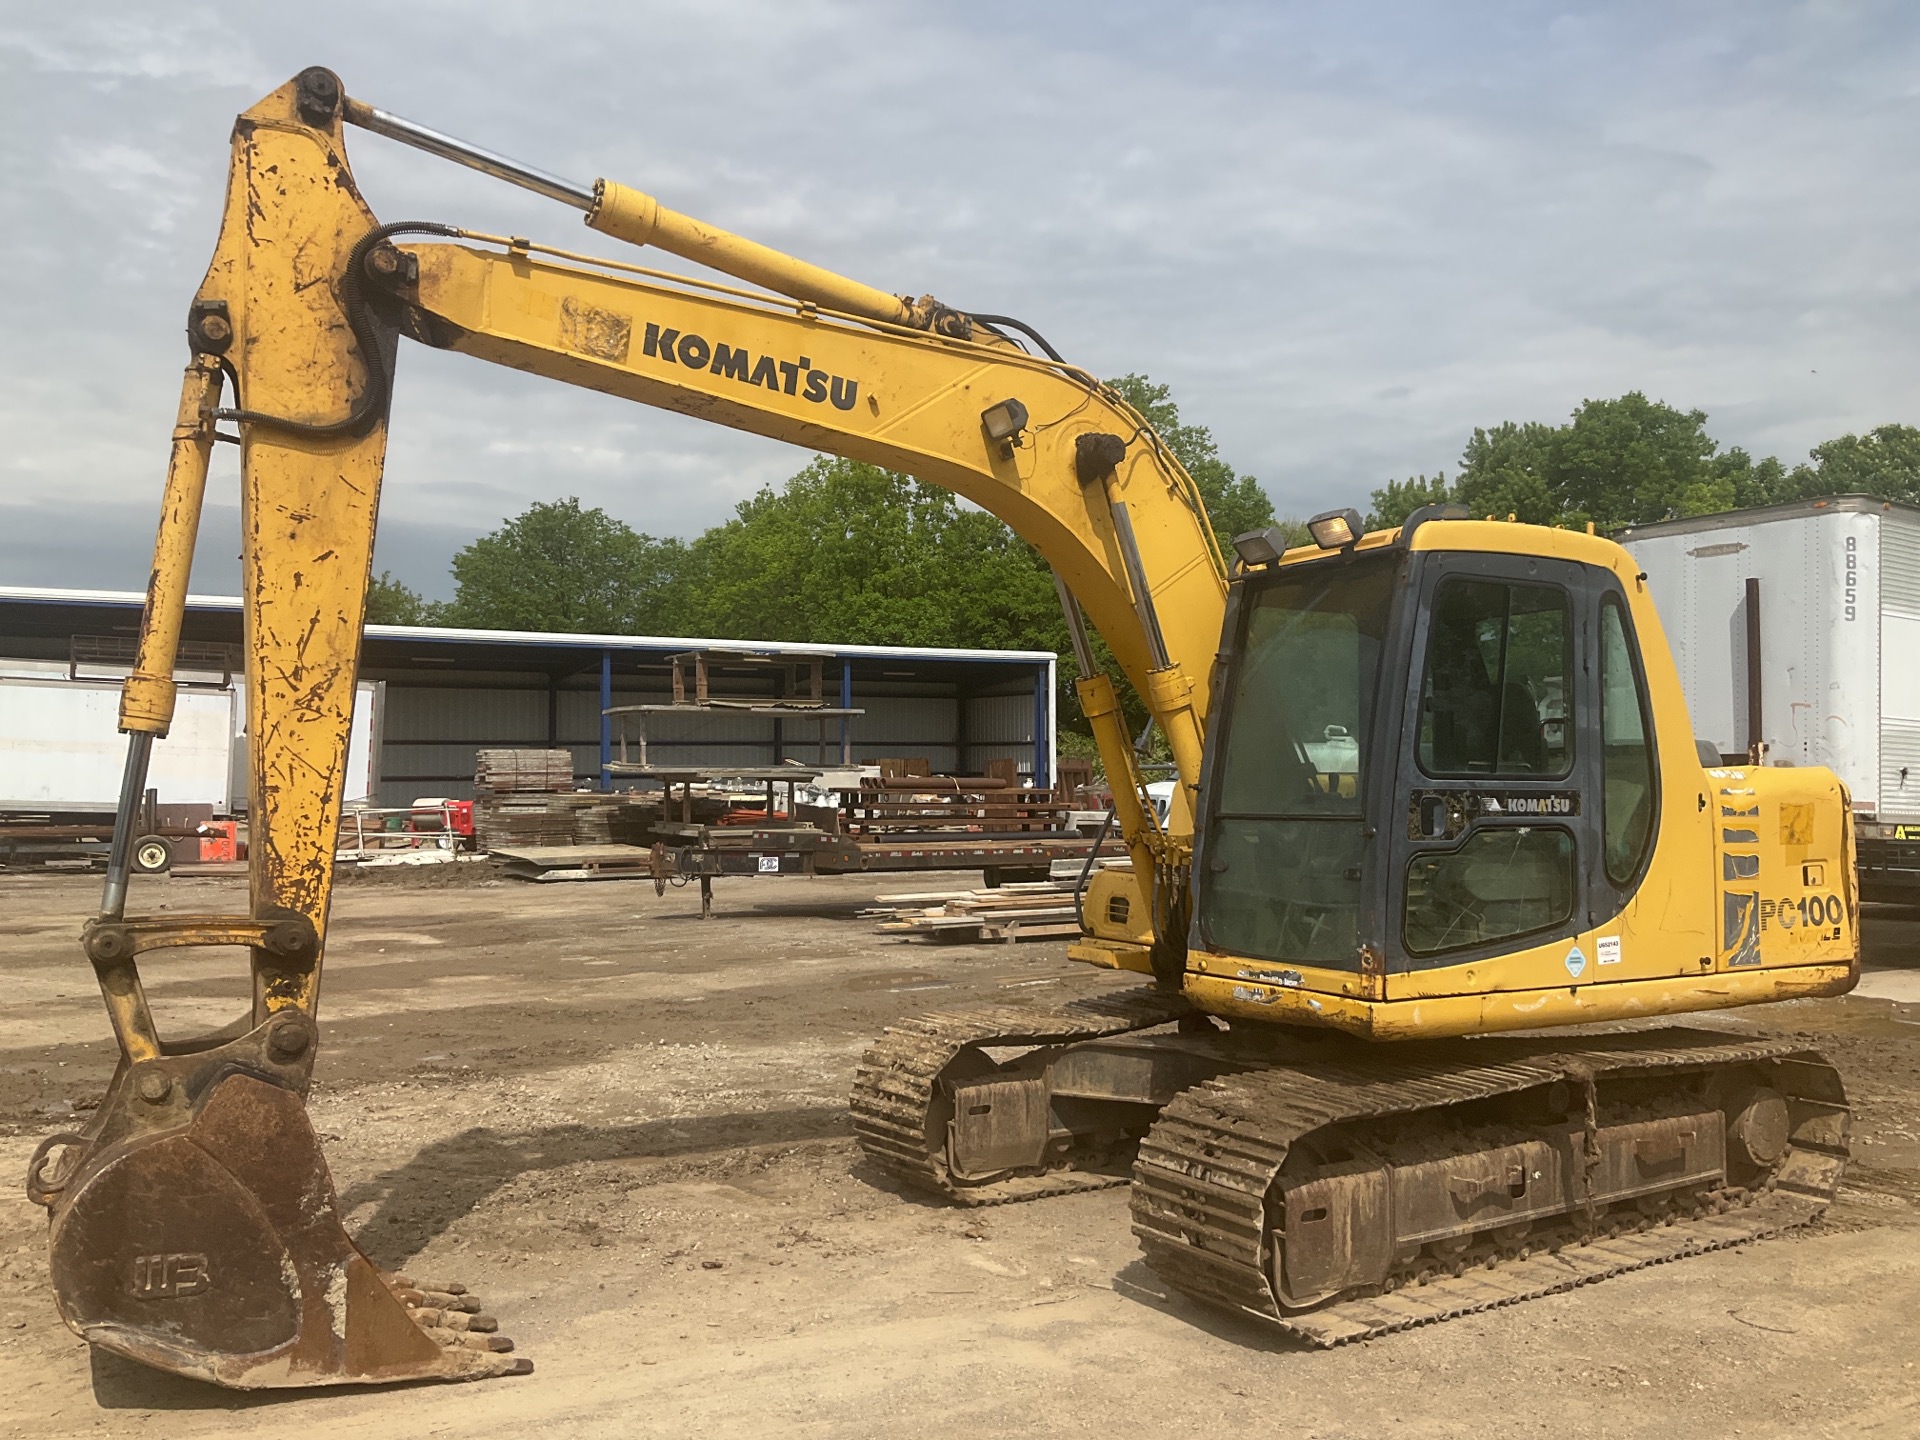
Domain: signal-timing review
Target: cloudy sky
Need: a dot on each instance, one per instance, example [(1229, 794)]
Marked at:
[(1345, 234)]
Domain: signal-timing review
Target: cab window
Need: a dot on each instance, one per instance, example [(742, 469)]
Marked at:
[(1288, 838), (1499, 676), (1627, 797), (1498, 884)]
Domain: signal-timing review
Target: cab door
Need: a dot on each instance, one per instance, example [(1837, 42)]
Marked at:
[(1494, 847)]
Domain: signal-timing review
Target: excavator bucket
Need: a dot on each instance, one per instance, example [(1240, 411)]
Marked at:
[(195, 1229)]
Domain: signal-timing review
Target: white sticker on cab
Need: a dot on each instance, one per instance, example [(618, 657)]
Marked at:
[(1608, 947)]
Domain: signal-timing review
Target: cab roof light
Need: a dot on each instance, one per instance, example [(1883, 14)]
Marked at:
[(1260, 547), (1336, 529)]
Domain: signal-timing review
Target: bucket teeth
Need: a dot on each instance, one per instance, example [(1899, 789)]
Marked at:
[(455, 1320), (438, 1300), (451, 1315), (406, 1282), (467, 1340)]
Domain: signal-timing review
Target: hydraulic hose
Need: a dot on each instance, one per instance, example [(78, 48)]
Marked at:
[(376, 394)]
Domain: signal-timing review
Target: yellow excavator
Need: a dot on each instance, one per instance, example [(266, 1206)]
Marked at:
[(1433, 784)]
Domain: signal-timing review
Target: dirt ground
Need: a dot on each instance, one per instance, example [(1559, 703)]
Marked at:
[(625, 1129)]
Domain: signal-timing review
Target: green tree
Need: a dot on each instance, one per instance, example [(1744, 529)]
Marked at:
[(1755, 482), (558, 567), (1398, 499), (849, 552), (1884, 463), (1615, 462), (1235, 503), (1508, 471), (390, 602), (1632, 460)]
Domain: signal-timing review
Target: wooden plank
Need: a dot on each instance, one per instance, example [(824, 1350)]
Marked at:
[(549, 876), (880, 814), (943, 853), (796, 709), (1017, 905), (682, 774), (1010, 934), (1058, 913), (571, 854), (1015, 891)]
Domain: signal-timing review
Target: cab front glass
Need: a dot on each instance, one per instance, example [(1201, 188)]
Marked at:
[(1286, 842)]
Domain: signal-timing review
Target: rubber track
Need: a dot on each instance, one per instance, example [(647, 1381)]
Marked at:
[(1204, 1170), (895, 1086)]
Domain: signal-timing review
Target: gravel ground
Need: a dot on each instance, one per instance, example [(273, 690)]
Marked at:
[(625, 1128)]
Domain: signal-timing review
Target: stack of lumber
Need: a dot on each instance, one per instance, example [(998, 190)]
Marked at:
[(579, 818), (614, 819), (517, 772), (525, 798), (519, 798), (501, 821), (1039, 911)]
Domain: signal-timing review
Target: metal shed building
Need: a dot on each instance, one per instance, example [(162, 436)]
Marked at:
[(444, 693)]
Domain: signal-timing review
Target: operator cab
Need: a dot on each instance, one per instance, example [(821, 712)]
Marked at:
[(1430, 756)]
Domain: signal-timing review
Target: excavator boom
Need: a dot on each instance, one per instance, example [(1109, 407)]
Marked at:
[(194, 1224)]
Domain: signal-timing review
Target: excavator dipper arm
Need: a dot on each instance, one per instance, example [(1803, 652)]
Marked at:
[(194, 1225)]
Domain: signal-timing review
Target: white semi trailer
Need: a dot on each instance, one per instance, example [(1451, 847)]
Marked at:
[(1796, 628), (61, 753)]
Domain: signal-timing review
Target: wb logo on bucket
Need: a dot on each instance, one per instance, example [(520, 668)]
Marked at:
[(169, 1277)]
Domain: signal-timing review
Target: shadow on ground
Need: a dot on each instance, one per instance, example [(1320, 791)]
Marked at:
[(123, 1384), (450, 1178)]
